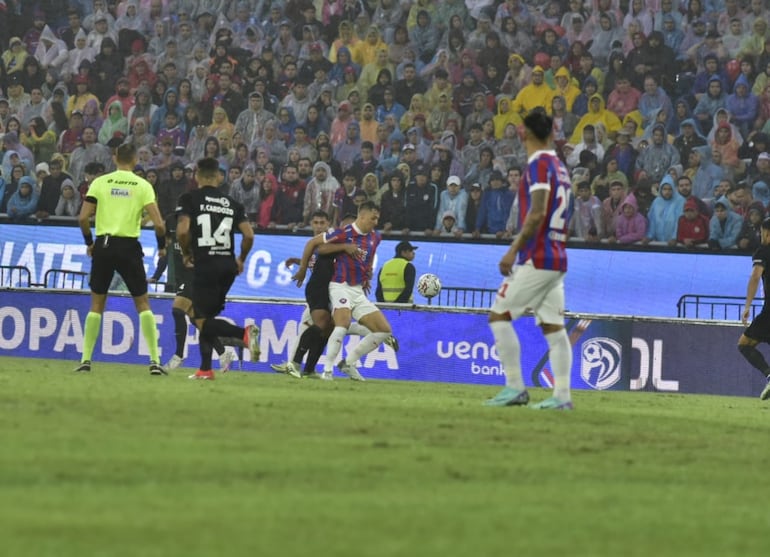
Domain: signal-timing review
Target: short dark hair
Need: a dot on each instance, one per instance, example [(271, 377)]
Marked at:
[(368, 206), (208, 167), (539, 123), (367, 145), (320, 214), (126, 153), (766, 224)]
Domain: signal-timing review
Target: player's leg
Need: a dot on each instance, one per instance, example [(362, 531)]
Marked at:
[(180, 309), (380, 329), (340, 296), (313, 340), (550, 315), (510, 303), (747, 346)]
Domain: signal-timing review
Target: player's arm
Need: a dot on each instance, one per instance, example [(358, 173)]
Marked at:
[(751, 289), (87, 210), (246, 243), (532, 222), (183, 236), (307, 253), (160, 227)]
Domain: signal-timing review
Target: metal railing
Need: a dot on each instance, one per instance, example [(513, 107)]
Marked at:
[(701, 306), (66, 279), (15, 276), (455, 296)]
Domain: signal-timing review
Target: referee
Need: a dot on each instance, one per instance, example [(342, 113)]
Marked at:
[(117, 200)]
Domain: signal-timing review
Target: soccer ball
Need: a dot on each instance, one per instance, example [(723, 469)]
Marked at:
[(428, 285)]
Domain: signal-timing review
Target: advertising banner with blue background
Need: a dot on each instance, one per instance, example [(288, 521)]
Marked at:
[(599, 281), (435, 344)]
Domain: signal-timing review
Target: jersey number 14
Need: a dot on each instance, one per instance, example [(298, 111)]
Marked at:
[(220, 237)]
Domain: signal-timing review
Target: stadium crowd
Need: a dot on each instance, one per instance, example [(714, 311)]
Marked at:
[(661, 109)]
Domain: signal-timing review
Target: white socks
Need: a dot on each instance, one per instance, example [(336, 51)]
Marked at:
[(369, 343), (357, 329), (509, 351), (333, 347), (560, 354)]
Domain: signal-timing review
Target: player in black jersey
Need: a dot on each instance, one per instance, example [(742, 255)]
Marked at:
[(206, 224), (759, 330), (180, 277)]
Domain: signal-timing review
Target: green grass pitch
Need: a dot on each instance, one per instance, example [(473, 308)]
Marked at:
[(119, 463)]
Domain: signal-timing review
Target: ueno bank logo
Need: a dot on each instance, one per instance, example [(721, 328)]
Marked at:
[(600, 359)]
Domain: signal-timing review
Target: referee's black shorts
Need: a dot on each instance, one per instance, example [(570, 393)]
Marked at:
[(317, 294), (759, 329), (211, 284), (122, 255)]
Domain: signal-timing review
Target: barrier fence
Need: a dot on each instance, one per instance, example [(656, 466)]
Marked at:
[(437, 343)]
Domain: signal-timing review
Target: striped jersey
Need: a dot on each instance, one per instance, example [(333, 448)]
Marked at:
[(547, 248), (351, 269)]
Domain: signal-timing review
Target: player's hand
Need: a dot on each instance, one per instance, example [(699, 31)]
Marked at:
[(506, 263), (188, 261), (299, 276), (239, 262), (292, 261), (353, 251), (162, 252), (745, 316), (90, 250)]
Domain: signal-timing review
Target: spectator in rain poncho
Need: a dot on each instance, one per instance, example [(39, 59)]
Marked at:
[(664, 213), (69, 200)]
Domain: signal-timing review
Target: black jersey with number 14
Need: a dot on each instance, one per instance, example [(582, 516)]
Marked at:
[(214, 217)]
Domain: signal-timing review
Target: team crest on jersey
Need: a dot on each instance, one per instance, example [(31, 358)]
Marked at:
[(600, 359)]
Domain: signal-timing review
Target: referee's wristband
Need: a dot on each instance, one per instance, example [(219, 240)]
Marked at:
[(161, 241), (88, 239)]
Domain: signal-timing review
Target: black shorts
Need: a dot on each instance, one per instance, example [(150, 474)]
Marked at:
[(184, 283), (759, 329), (121, 255), (317, 294), (211, 284)]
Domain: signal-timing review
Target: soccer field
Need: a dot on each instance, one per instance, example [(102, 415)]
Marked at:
[(119, 463)]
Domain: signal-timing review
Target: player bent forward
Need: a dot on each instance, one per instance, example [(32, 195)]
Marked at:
[(356, 245)]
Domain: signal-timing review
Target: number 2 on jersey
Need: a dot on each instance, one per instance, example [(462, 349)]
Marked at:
[(220, 237), (559, 216)]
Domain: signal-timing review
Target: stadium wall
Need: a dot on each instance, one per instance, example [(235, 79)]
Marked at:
[(437, 344), (604, 281)]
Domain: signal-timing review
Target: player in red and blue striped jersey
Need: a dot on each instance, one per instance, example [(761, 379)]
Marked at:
[(356, 245), (354, 270), (548, 248), (537, 280)]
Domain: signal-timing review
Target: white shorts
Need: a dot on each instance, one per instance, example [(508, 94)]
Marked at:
[(528, 288), (342, 295)]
